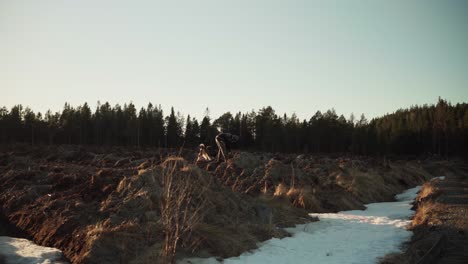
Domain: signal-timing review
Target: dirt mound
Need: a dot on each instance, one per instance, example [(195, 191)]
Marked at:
[(319, 184), (108, 205), (102, 208)]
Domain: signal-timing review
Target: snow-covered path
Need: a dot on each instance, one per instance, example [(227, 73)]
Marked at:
[(345, 237)]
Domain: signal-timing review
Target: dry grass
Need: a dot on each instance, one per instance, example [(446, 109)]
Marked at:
[(423, 214), (182, 206), (207, 219), (300, 197), (280, 190), (303, 197), (370, 186), (427, 207), (427, 192)]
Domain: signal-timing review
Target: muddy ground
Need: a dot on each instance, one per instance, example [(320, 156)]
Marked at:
[(107, 205), (440, 226)]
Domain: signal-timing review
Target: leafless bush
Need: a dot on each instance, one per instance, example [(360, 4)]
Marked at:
[(182, 206)]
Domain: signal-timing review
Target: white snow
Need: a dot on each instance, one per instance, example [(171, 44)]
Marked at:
[(23, 251), (346, 237)]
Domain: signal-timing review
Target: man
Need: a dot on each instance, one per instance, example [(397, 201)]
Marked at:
[(224, 141)]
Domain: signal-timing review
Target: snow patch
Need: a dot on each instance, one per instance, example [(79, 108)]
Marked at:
[(346, 237), (23, 251)]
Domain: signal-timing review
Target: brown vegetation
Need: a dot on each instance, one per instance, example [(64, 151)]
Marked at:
[(123, 205), (440, 224)]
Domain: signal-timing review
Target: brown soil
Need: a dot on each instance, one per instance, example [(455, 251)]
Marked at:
[(440, 225), (104, 205)]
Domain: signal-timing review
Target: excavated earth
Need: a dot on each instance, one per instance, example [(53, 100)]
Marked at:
[(440, 226), (104, 205)]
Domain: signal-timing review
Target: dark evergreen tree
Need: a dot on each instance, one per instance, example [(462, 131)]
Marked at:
[(173, 131), (440, 129), (207, 131), (192, 131)]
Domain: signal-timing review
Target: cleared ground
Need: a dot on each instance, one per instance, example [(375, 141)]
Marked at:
[(108, 205)]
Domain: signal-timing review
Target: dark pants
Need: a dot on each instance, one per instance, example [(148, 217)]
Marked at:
[(222, 152)]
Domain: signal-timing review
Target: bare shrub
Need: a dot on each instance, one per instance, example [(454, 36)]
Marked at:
[(182, 205)]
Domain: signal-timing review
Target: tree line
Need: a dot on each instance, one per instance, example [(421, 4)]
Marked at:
[(429, 129)]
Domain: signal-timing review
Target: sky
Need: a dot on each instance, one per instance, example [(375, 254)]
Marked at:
[(369, 57)]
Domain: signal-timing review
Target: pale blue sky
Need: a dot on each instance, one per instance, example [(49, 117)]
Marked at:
[(367, 57)]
